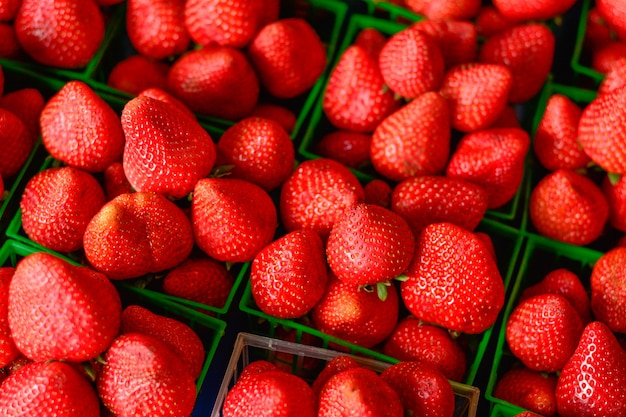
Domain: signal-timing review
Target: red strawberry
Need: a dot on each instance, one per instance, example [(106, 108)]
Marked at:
[(185, 153), (615, 193), (453, 280), (352, 149), (181, 338), (422, 388), (519, 10), (255, 367), (8, 350), (80, 129), (543, 330), (135, 234), (378, 192), (508, 118), (414, 340), (288, 277), (60, 33), (593, 381), (259, 150), (232, 219), (138, 72), (217, 81), (556, 137), (615, 77), (355, 315), (355, 97), (200, 279), (597, 31), (27, 104), (445, 9), (142, 376), (12, 144), (10, 47), (288, 56), (372, 40), (8, 9), (614, 13), (427, 199), (605, 58), (608, 290), (532, 390), (489, 21), (411, 63), (115, 181), (494, 159), (477, 94), (318, 193), (334, 366), (457, 40), (160, 94), (48, 389), (399, 150), (279, 113), (568, 207), (156, 29), (61, 311), (57, 204)]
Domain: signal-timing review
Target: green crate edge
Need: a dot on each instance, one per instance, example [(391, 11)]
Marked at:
[(501, 410), (575, 63)]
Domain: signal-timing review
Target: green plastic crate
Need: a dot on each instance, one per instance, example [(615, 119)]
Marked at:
[(579, 62), (500, 410)]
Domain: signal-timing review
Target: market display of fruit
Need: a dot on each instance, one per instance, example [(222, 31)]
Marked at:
[(261, 207)]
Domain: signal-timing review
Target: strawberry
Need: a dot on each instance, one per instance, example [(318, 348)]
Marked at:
[(10, 47), (60, 33), (430, 199), (532, 390), (352, 149), (399, 150), (457, 39), (354, 314), (605, 58), (422, 388), (163, 95), (232, 219), (138, 72), (608, 290), (370, 245), (494, 159), (217, 81), (279, 113), (614, 13), (593, 380), (489, 21), (142, 376), (156, 29), (181, 338), (260, 151), (200, 279), (318, 193), (48, 389), (255, 367), (597, 31), (615, 193), (57, 204), (372, 40), (414, 340), (12, 144), (543, 330), (115, 181), (61, 311), (355, 97), (185, 154), (334, 366), (8, 9), (615, 77), (445, 9), (27, 104), (289, 57), (556, 138), (568, 207), (378, 192), (519, 10), (411, 63), (477, 94), (138, 233), (8, 350), (80, 129), (452, 267)]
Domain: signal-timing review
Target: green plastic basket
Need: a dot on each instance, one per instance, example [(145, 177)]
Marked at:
[(500, 410), (579, 62)]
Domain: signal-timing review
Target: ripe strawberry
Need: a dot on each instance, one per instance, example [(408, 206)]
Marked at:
[(80, 129), (615, 77), (138, 233), (61, 311), (452, 267), (60, 33), (615, 193), (613, 12), (8, 9), (259, 150), (414, 340), (593, 381), (115, 181), (556, 138), (27, 104), (427, 199), (378, 192), (411, 63), (334, 366), (57, 204), (605, 58), (399, 150), (489, 21), (142, 376), (289, 57), (12, 144), (356, 315), (232, 219), (138, 72), (185, 153), (10, 47), (457, 39), (543, 330), (477, 94), (163, 95), (355, 97), (200, 279), (279, 113), (255, 367), (8, 350), (48, 389), (532, 390), (352, 149), (519, 10), (318, 193), (494, 159), (568, 207), (445, 9), (217, 81), (597, 31), (181, 338), (372, 40), (156, 29), (422, 388), (608, 290)]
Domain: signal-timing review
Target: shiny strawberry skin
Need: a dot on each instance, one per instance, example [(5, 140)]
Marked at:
[(457, 39), (532, 390), (372, 40), (446, 9), (12, 145), (615, 193), (27, 104), (332, 367), (138, 72), (349, 148), (519, 10), (613, 13), (608, 290), (8, 350)]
